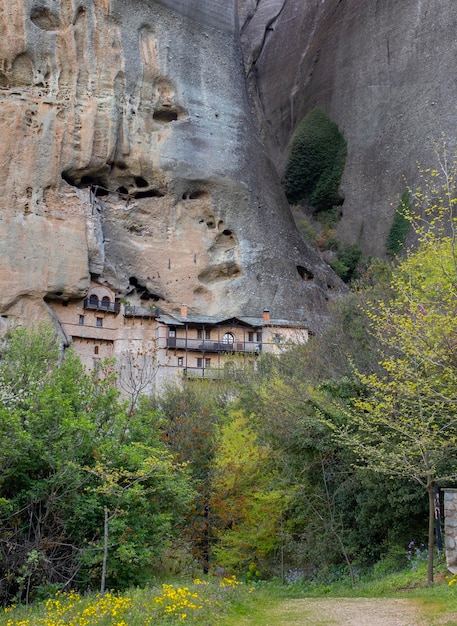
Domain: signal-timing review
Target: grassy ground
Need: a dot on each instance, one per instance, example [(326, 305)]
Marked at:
[(226, 602)]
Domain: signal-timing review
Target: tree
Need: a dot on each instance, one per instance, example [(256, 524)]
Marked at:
[(190, 417), (316, 162), (246, 498), (59, 428), (404, 424), (136, 370)]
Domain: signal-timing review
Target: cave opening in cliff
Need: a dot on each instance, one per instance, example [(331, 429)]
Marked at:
[(143, 292), (165, 116), (96, 184), (305, 273), (140, 181), (150, 193)]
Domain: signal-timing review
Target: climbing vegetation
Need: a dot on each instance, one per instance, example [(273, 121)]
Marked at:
[(400, 225)]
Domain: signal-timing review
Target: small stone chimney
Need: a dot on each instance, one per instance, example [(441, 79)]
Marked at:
[(266, 316), (183, 310)]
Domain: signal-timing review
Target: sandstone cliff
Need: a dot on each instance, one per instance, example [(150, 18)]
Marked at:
[(131, 155), (384, 70)]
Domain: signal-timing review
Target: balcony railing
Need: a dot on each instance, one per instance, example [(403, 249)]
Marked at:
[(214, 373), (207, 372), (212, 346), (141, 311), (111, 307)]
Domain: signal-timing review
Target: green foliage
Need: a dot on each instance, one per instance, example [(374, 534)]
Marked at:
[(400, 225), (189, 419), (346, 262), (65, 456), (307, 231), (316, 162), (197, 602), (245, 501), (404, 423)]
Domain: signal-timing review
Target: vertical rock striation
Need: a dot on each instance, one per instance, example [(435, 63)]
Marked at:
[(383, 70)]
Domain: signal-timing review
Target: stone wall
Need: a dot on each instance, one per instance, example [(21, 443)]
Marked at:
[(450, 528)]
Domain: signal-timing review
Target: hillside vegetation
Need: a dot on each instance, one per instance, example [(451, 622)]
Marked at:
[(318, 465)]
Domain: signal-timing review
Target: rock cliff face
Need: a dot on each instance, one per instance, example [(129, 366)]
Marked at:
[(131, 155), (383, 70)]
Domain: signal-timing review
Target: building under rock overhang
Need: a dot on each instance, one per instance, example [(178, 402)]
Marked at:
[(151, 348)]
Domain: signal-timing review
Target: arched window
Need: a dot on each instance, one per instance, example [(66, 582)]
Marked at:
[(95, 349), (228, 338), (105, 302), (93, 299)]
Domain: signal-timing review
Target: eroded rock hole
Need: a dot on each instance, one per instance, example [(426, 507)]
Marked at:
[(140, 181), (142, 291), (164, 116), (123, 191), (96, 184), (227, 232), (305, 273), (44, 19), (151, 193), (199, 194)]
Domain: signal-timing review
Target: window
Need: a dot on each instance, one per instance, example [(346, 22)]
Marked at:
[(180, 361), (250, 336), (81, 320), (105, 302), (259, 337), (207, 362), (93, 300), (199, 362), (99, 321), (228, 338), (277, 338), (65, 303), (172, 332), (207, 334), (95, 349), (199, 334)]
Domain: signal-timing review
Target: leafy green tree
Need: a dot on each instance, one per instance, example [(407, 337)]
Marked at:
[(58, 428), (316, 162), (405, 423), (190, 415), (245, 497)]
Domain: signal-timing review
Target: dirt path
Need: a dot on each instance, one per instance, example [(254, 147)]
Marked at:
[(353, 612)]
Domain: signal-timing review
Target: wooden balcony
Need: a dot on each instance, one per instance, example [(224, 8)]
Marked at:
[(199, 345), (100, 305), (141, 311)]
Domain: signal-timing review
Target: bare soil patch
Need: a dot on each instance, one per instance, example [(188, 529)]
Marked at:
[(353, 612)]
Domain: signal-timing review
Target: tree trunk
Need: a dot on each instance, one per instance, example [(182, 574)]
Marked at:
[(105, 552), (431, 532)]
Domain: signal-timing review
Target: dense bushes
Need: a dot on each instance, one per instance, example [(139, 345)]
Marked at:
[(83, 491), (316, 162)]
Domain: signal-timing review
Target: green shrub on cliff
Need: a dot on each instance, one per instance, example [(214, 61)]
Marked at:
[(316, 162), (400, 225)]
